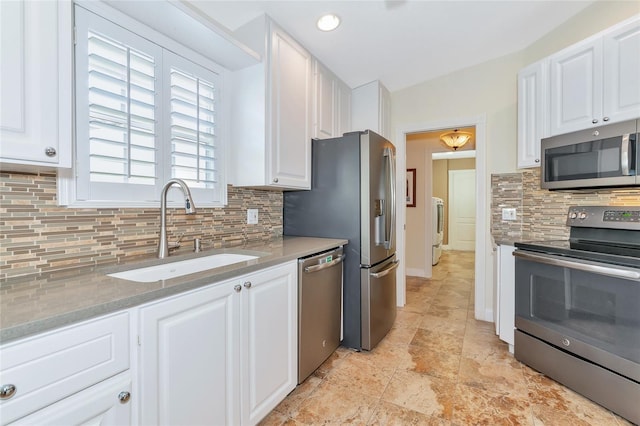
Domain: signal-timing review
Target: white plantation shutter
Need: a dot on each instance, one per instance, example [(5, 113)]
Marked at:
[(143, 116), (193, 128)]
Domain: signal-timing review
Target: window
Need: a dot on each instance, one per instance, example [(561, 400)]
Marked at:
[(143, 115)]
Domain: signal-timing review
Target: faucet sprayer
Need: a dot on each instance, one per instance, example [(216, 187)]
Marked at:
[(189, 208)]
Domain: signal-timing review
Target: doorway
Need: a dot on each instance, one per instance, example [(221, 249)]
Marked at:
[(483, 309)]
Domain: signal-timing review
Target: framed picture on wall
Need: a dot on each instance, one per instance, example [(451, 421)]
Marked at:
[(411, 188)]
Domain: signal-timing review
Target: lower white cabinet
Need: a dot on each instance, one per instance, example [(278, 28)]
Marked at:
[(506, 270), (105, 404), (269, 340), (39, 371), (223, 354)]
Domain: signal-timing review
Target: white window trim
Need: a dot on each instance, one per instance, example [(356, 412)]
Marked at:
[(66, 187)]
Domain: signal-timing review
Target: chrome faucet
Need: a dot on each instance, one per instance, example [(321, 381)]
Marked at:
[(189, 208)]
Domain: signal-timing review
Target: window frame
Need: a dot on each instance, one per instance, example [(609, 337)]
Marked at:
[(71, 191)]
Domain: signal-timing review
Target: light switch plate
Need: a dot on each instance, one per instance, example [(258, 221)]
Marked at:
[(509, 214), (252, 216)]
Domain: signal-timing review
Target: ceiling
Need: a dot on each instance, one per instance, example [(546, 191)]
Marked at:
[(404, 42)]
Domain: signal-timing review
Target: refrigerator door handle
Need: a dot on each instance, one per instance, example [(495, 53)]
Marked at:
[(390, 205), (394, 265)]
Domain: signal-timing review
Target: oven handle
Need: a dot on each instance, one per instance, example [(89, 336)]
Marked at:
[(587, 267)]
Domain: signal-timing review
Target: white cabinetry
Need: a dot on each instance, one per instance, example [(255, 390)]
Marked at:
[(532, 112), (35, 76), (224, 354), (506, 270), (189, 358), (269, 340), (271, 111), (332, 104), (596, 81), (68, 363), (371, 108)]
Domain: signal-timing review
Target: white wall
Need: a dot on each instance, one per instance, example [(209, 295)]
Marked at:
[(490, 88)]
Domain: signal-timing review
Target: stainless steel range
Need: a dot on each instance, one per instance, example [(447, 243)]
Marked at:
[(578, 307)]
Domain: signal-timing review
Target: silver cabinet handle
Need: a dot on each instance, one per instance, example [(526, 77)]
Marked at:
[(625, 274), (605, 119), (124, 397), (394, 265), (237, 288), (537, 160), (320, 267), (594, 121), (7, 391), (247, 284), (275, 180), (50, 151)]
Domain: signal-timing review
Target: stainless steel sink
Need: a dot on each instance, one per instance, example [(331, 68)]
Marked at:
[(180, 268)]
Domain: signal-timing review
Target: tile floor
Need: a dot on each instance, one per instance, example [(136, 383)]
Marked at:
[(437, 366)]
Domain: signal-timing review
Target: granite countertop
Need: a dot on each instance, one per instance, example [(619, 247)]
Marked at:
[(42, 302)]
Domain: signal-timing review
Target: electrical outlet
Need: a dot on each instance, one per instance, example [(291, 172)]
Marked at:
[(252, 216), (508, 214)]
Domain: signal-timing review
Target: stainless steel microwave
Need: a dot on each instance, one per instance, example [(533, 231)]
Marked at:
[(604, 156)]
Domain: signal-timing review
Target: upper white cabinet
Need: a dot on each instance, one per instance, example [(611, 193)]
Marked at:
[(596, 81), (36, 81), (271, 113), (371, 108), (532, 112), (332, 117)]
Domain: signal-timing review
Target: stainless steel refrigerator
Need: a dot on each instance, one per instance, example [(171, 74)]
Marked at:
[(352, 196)]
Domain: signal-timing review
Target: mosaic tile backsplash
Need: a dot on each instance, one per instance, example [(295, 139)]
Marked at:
[(37, 235), (541, 213)]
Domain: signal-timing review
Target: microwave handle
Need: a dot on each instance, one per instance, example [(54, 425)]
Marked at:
[(624, 155)]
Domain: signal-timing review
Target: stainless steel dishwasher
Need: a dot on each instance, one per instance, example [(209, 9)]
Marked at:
[(319, 309)]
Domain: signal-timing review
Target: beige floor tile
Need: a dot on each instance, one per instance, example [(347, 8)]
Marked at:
[(425, 394), (448, 313), (474, 406), (289, 407), (356, 374), (401, 335), (443, 325), (407, 319), (388, 414), (499, 375), (437, 341), (434, 363)]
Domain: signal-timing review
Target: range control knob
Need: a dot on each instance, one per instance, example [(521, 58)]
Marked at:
[(573, 215), (582, 215)]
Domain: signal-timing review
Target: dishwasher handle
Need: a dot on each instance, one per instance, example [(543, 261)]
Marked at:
[(321, 266)]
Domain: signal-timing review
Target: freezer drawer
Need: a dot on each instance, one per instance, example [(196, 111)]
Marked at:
[(378, 301), (319, 309)]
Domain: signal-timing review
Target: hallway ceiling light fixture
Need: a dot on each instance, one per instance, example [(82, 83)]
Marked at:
[(328, 22), (455, 139)]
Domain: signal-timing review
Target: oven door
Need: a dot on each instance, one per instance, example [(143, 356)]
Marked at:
[(589, 309)]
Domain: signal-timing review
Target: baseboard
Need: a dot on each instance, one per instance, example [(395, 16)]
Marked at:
[(415, 272)]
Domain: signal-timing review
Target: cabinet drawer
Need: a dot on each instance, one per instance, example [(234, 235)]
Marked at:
[(52, 366)]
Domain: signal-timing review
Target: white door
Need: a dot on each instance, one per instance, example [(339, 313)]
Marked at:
[(462, 209), (189, 357), (269, 340)]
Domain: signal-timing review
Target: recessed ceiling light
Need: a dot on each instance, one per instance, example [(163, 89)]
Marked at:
[(328, 22)]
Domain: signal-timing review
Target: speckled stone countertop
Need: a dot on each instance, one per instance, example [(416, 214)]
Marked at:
[(38, 303)]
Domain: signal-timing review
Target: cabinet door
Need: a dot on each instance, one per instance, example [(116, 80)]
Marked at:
[(105, 404), (35, 73), (270, 342), (325, 117), (531, 113), (291, 106), (621, 71), (507, 295), (189, 366), (343, 105), (576, 87)]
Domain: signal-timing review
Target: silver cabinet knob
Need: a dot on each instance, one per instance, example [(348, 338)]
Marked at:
[(605, 119), (247, 284), (275, 180), (7, 391), (124, 397), (594, 121), (237, 288), (50, 151), (537, 160)]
